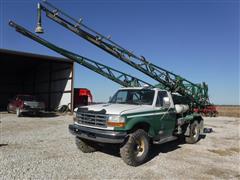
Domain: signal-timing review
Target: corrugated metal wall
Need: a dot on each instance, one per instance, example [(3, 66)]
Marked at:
[(49, 78), (54, 83)]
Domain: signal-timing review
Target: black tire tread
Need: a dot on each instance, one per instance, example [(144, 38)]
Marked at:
[(84, 145), (125, 151)]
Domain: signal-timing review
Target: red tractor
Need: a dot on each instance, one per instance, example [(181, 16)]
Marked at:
[(209, 110)]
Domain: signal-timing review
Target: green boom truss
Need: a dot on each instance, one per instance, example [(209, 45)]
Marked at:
[(197, 93), (108, 72)]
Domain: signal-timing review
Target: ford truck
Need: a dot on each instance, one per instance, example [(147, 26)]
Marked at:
[(134, 118)]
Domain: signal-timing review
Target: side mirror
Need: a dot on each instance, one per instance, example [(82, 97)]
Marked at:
[(110, 98), (166, 102)]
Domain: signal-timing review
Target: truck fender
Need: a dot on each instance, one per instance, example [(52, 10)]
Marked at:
[(151, 132), (145, 126)]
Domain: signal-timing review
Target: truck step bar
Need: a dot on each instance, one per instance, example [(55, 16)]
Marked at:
[(164, 140)]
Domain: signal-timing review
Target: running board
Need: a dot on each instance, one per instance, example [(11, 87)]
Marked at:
[(164, 140)]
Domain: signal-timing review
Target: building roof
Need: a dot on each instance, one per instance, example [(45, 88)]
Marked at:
[(32, 56)]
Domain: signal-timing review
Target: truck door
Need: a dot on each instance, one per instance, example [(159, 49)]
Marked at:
[(167, 118)]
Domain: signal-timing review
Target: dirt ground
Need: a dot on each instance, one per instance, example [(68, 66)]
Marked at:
[(42, 148)]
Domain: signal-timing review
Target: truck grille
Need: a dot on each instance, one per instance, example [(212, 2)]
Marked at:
[(92, 119)]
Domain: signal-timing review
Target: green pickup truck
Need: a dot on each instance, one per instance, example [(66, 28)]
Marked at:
[(134, 118)]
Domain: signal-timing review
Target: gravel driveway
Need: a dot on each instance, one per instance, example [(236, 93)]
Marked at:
[(42, 148)]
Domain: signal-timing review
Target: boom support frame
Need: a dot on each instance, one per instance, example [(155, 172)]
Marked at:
[(119, 77), (197, 93)]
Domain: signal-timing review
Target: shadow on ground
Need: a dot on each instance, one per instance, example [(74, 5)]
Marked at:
[(1, 145), (155, 149), (37, 115), (43, 115)]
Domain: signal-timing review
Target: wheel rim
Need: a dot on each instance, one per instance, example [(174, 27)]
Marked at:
[(139, 148), (195, 132)]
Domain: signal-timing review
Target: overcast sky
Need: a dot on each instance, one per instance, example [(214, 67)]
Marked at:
[(198, 40)]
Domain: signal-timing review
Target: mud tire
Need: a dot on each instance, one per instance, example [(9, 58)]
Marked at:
[(135, 151), (85, 146)]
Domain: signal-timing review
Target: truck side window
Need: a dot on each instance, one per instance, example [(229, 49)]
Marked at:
[(161, 95), (136, 97), (121, 97)]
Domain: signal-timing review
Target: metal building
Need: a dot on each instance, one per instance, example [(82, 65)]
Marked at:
[(49, 78)]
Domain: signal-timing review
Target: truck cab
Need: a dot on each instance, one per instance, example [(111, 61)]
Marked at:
[(135, 118)]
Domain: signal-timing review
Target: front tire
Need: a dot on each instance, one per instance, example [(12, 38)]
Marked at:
[(135, 150), (85, 146), (194, 133)]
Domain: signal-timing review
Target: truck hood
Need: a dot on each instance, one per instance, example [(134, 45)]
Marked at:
[(119, 108)]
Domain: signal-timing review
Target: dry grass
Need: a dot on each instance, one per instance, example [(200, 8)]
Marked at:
[(231, 111)]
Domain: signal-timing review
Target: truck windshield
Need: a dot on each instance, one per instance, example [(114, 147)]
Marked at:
[(132, 96)]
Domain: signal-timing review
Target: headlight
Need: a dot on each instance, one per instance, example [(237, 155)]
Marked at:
[(25, 105), (116, 121)]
